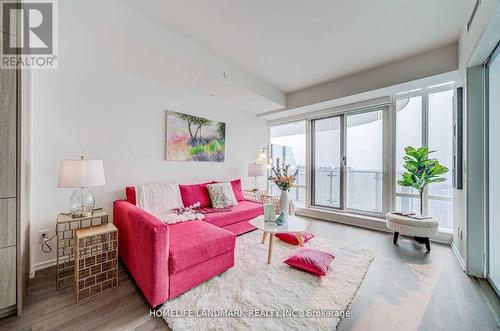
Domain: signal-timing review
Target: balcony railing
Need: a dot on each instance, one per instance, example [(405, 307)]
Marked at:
[(364, 189)]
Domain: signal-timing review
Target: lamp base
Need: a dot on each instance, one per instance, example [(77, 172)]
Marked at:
[(255, 189), (79, 214), (82, 203)]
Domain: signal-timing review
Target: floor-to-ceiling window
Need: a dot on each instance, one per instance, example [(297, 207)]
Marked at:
[(288, 143), (425, 118), (493, 70), (440, 132), (409, 119), (355, 156)]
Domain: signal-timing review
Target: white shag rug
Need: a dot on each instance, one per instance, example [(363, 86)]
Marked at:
[(256, 296)]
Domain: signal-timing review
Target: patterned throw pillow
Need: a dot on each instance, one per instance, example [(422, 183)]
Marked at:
[(221, 195)]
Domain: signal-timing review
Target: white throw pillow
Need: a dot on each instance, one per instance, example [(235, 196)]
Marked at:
[(222, 195), (159, 198)]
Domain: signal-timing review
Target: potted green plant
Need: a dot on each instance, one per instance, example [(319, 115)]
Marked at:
[(420, 170)]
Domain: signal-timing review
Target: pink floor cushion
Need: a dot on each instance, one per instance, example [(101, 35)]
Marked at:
[(311, 260), (194, 242), (291, 238)]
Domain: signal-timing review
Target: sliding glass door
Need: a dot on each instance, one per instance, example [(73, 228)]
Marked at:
[(364, 161), (493, 69), (327, 165), (348, 162)]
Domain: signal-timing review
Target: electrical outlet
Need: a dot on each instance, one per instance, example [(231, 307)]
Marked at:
[(43, 234)]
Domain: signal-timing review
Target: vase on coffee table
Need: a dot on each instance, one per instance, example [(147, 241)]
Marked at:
[(284, 180), (284, 204)]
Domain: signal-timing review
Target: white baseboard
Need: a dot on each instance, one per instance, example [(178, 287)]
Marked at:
[(458, 256), (42, 265)]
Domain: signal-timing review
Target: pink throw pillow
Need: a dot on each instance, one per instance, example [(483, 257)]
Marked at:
[(237, 190), (130, 193), (291, 238), (311, 260), (192, 194)]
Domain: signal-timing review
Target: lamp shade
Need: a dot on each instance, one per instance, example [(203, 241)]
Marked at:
[(81, 173), (256, 170)]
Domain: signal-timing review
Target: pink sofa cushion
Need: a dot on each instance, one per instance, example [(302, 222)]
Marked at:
[(311, 260), (194, 242), (192, 194), (291, 238), (245, 210), (239, 228), (186, 279), (130, 193), (237, 190)]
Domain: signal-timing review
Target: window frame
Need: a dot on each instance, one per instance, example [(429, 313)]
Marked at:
[(342, 163)]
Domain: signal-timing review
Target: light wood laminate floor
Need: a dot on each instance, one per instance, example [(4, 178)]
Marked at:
[(404, 289)]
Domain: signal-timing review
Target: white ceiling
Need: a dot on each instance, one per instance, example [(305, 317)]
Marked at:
[(294, 44)]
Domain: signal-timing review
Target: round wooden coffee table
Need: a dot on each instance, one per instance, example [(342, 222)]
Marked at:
[(294, 225)]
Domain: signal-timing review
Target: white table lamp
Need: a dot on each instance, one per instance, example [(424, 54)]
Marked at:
[(81, 174), (256, 170)]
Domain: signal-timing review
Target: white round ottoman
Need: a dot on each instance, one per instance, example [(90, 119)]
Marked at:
[(420, 229)]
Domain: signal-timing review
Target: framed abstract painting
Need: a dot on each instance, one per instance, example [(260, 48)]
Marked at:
[(193, 138)]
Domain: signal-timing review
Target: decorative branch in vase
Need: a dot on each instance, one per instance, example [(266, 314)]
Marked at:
[(284, 181), (420, 170)]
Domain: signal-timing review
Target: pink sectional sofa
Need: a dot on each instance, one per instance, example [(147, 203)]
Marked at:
[(167, 260)]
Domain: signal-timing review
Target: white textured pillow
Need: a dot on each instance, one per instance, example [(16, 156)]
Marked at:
[(221, 195), (159, 198)]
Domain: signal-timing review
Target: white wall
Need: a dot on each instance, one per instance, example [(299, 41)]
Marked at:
[(107, 101)]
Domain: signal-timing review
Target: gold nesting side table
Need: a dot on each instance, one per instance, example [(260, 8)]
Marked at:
[(96, 260), (65, 230)]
